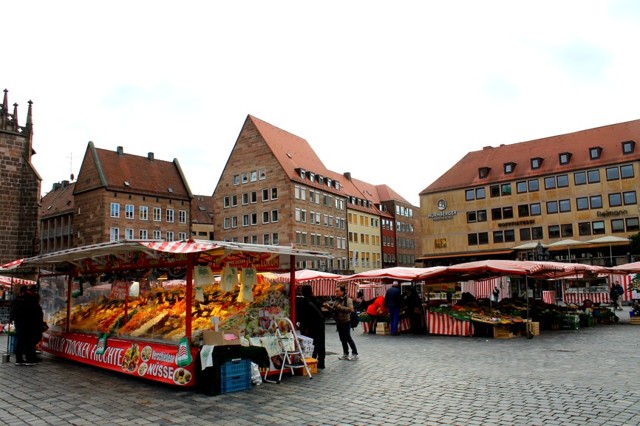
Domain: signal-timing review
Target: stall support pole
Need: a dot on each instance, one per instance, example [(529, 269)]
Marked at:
[(189, 294), (67, 326), (292, 290), (526, 282)]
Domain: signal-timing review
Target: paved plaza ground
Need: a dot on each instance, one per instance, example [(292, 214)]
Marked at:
[(576, 377)]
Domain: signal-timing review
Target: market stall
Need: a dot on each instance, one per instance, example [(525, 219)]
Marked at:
[(155, 301)]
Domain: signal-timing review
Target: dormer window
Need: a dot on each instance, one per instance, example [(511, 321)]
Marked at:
[(628, 147), (303, 173), (483, 172), (536, 163), (312, 176), (329, 182), (509, 167), (595, 152), (565, 157), (336, 184)]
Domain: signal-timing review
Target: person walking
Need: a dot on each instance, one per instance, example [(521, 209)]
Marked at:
[(311, 319), (342, 308), (393, 301), (27, 316)]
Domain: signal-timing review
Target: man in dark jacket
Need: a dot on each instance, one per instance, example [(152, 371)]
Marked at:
[(393, 301), (27, 316), (311, 319)]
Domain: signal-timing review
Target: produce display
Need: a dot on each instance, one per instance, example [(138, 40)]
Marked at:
[(159, 313)]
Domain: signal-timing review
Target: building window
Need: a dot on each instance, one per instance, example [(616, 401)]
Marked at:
[(245, 198), (523, 210), (632, 224), (509, 167), (225, 223), (115, 210), (567, 230), (507, 212), (182, 216), (254, 176), (245, 177), (227, 202), (564, 157), (265, 217), (536, 163), (552, 207), (509, 236), (565, 206), (266, 240), (598, 227), (615, 200), (494, 191), (535, 209), (128, 234), (595, 152), (469, 195), (626, 171), (521, 187), (534, 185), (629, 197), (234, 221), (582, 203), (562, 181), (483, 172), (254, 218), (628, 147), (554, 231), (496, 214), (595, 201), (525, 234), (549, 182), (505, 189), (265, 194), (593, 176), (617, 225), (114, 234), (482, 215), (236, 179), (579, 178), (262, 174), (182, 236), (169, 235), (275, 240), (143, 212), (480, 193), (157, 234), (536, 233), (129, 210), (245, 220), (471, 217), (157, 214), (170, 215), (498, 237), (144, 234), (274, 195), (584, 228), (613, 173)]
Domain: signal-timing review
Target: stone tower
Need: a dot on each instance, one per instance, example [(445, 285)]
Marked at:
[(20, 183)]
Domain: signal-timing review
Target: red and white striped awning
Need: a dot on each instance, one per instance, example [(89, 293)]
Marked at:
[(179, 246), (8, 281)]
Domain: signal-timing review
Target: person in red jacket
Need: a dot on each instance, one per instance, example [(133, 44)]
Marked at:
[(374, 310)]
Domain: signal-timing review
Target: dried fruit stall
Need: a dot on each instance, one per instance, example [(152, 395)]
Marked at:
[(141, 307)]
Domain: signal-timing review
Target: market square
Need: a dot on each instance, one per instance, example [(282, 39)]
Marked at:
[(566, 377)]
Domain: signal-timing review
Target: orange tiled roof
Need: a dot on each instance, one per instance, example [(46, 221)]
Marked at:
[(133, 173), (388, 194), (465, 173), (57, 201), (202, 209)]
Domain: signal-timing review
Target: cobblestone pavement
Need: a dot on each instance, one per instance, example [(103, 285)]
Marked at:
[(578, 377)]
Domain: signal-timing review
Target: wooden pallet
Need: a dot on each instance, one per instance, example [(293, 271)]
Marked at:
[(635, 320)]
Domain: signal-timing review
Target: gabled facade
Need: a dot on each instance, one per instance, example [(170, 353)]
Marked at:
[(56, 218), (275, 190), (123, 196), (20, 184), (202, 217), (579, 186)]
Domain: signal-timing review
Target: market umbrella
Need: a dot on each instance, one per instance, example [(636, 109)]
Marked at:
[(610, 240), (528, 246), (565, 243), (627, 268), (399, 273)]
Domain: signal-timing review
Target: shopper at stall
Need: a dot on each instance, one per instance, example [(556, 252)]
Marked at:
[(393, 301), (375, 310), (615, 293), (496, 294), (27, 316), (311, 319), (342, 308), (414, 310)]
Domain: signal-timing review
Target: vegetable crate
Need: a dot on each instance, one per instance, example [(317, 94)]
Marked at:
[(235, 375), (534, 328)]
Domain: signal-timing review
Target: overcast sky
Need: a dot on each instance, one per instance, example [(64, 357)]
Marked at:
[(394, 92)]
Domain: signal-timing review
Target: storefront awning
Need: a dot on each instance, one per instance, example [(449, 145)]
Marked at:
[(465, 254)]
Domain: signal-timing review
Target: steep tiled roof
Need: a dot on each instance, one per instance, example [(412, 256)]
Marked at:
[(292, 152), (609, 138), (387, 194), (202, 209), (144, 175), (57, 201)]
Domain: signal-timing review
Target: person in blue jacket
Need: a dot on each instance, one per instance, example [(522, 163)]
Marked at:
[(393, 302)]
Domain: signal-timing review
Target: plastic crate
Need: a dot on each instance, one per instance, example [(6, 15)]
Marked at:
[(235, 367), (236, 383)]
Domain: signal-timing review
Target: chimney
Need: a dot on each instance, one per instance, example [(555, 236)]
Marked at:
[(120, 150), (150, 156), (65, 183), (56, 186), (347, 175)]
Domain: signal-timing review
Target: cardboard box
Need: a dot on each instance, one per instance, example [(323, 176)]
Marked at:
[(216, 338), (312, 363), (382, 328)]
